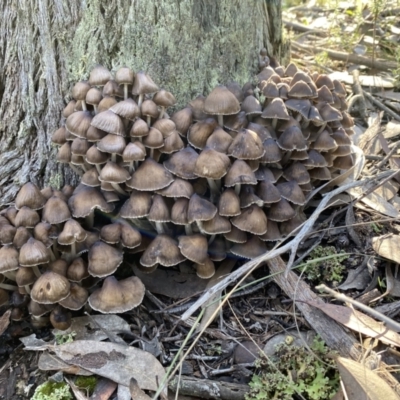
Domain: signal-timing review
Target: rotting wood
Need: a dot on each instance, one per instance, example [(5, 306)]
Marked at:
[(207, 389), (187, 47)]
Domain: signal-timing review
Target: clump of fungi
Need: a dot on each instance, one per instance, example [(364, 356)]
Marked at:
[(226, 176)]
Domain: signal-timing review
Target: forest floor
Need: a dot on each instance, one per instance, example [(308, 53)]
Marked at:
[(348, 249)]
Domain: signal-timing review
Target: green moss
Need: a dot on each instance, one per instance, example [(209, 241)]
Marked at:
[(56, 181), (52, 391), (62, 338), (294, 370), (325, 263), (86, 383)]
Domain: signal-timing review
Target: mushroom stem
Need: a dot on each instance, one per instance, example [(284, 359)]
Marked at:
[(114, 157), (148, 118), (323, 126), (8, 287), (140, 99), (52, 256), (188, 229), (198, 223), (131, 167), (36, 271), (125, 91), (95, 108), (212, 237), (89, 220), (28, 289), (73, 249), (98, 168), (160, 227), (162, 112), (274, 122), (118, 189), (213, 188), (152, 153), (11, 275), (221, 120), (238, 186), (84, 107)]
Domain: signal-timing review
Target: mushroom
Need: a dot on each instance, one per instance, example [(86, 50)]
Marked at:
[(50, 288), (103, 259), (125, 76)]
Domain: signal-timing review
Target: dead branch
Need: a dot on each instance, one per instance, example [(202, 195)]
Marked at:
[(303, 28), (350, 58)]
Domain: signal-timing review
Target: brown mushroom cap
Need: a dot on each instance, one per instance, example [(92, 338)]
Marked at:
[(253, 248), (55, 211), (159, 210), (292, 192), (292, 139), (179, 211), (229, 203), (8, 258), (109, 121), (252, 219), (77, 298), (183, 119), (247, 145), (216, 225), (297, 172), (194, 247), (137, 206), (205, 270), (221, 101), (160, 177), (29, 195), (103, 259), (126, 109), (50, 288), (78, 123), (117, 296), (178, 188), (71, 233), (143, 84), (77, 270), (182, 163), (162, 250), (273, 232), (211, 164), (124, 76), (240, 173), (267, 192), (113, 173), (200, 209), (281, 211), (200, 132), (33, 253), (26, 217), (7, 233), (99, 76)]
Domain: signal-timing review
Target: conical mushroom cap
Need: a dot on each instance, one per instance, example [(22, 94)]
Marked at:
[(134, 152), (247, 145), (77, 298), (126, 109), (200, 132), (221, 101), (117, 296), (240, 173), (273, 232), (229, 203), (109, 121), (8, 258), (252, 219), (292, 192), (211, 164), (200, 209), (143, 84), (162, 250), (99, 76), (253, 248), (112, 144), (205, 270), (297, 172), (281, 211), (29, 195), (33, 253), (183, 119), (138, 205), (292, 139), (113, 173), (27, 218), (71, 233), (50, 288), (194, 248), (272, 153), (219, 140), (78, 123), (276, 110), (159, 211), (182, 163), (103, 259), (160, 177), (267, 192), (178, 188), (216, 225), (179, 212)]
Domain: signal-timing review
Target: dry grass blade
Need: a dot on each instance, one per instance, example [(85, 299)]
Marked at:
[(4, 321)]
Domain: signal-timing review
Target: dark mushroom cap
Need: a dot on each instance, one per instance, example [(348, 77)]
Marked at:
[(160, 177), (281, 211), (103, 259), (159, 210), (162, 250), (267, 192), (77, 298), (292, 192), (297, 172), (33, 253), (240, 173), (219, 140), (200, 209), (292, 139), (50, 288), (138, 205), (229, 203), (77, 270), (247, 145), (276, 109), (253, 248), (206, 270), (178, 188), (117, 296), (183, 119), (182, 163), (216, 225)]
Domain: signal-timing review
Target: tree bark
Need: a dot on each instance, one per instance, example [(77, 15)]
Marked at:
[(187, 46)]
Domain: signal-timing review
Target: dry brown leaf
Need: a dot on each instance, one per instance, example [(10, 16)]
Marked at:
[(113, 361), (174, 284), (50, 362), (371, 134), (359, 322), (387, 246), (103, 390), (392, 128), (363, 384), (136, 392), (4, 321)]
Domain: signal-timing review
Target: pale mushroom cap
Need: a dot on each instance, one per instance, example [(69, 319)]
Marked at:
[(113, 173), (117, 296), (99, 76), (71, 233), (77, 298), (29, 195), (8, 258), (109, 122), (143, 84), (211, 164), (50, 288), (55, 211), (194, 248)]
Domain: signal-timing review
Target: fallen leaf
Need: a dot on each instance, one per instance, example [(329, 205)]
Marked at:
[(95, 326), (359, 322), (392, 128), (365, 80), (135, 391), (114, 361), (123, 393), (103, 390), (4, 321), (361, 383), (174, 284), (31, 342), (50, 362), (357, 279), (387, 246)]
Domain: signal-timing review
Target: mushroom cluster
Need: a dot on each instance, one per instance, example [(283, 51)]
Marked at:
[(226, 176)]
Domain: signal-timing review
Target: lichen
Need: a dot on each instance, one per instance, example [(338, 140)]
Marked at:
[(325, 263), (295, 370), (52, 391)]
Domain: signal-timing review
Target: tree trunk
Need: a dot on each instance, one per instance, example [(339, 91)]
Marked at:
[(186, 46)]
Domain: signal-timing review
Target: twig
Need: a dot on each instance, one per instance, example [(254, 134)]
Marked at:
[(381, 106), (341, 297), (357, 89), (303, 28), (350, 58), (290, 246)]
